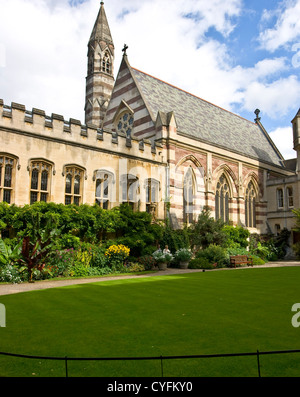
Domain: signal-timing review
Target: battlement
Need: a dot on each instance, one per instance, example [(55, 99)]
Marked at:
[(17, 119)]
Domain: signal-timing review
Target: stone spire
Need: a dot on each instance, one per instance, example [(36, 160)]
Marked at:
[(101, 31), (100, 78)]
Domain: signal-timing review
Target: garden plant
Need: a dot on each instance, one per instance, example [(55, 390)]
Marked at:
[(47, 240)]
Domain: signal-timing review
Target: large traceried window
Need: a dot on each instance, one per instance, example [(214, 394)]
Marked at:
[(73, 185), (250, 206), (7, 165), (188, 197), (40, 177), (222, 199), (104, 182)]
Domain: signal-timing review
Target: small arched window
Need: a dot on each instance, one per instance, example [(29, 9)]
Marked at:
[(290, 196), (279, 198), (106, 65)]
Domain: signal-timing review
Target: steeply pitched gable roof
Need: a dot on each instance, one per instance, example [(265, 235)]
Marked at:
[(206, 122)]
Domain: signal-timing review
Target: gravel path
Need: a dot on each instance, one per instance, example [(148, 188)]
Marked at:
[(6, 289)]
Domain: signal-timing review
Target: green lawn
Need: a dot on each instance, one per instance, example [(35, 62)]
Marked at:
[(231, 311)]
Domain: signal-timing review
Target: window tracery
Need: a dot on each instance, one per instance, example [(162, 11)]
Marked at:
[(222, 199), (125, 124)]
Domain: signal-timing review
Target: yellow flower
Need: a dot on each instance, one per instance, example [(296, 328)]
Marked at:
[(117, 250)]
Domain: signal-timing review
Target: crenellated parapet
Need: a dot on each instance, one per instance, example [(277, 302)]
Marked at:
[(17, 119)]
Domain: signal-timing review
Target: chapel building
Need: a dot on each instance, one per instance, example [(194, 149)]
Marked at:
[(151, 145)]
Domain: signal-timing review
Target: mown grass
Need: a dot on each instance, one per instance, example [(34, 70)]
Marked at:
[(231, 311)]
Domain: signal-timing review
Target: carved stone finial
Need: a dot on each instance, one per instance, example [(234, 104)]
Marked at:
[(257, 111)]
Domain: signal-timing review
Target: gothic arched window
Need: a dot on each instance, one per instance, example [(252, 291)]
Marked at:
[(222, 199), (188, 196), (40, 175), (250, 206), (73, 185), (104, 180), (7, 165), (152, 188), (130, 188), (106, 67)]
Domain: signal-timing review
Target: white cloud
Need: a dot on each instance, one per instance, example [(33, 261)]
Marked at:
[(2, 56), (283, 139), (286, 29), (275, 99), (45, 46)]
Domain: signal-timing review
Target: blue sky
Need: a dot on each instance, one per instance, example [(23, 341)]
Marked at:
[(238, 54)]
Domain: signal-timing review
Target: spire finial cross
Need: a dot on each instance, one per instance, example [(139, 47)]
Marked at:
[(125, 49)]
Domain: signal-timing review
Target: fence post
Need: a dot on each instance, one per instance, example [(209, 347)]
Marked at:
[(66, 365), (161, 366), (258, 364)]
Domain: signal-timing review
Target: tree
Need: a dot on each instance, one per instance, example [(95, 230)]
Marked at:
[(207, 231), (37, 244)]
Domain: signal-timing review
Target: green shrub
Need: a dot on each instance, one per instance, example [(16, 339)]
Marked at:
[(98, 257), (296, 249), (201, 263), (237, 251), (214, 254), (99, 271), (136, 267), (174, 239), (261, 250), (60, 261), (79, 270), (69, 241), (207, 231), (257, 260), (147, 261), (237, 236)]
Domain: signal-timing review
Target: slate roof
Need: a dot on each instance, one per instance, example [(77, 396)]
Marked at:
[(291, 164), (206, 122)]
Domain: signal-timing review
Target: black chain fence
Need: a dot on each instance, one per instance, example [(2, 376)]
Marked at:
[(161, 359)]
